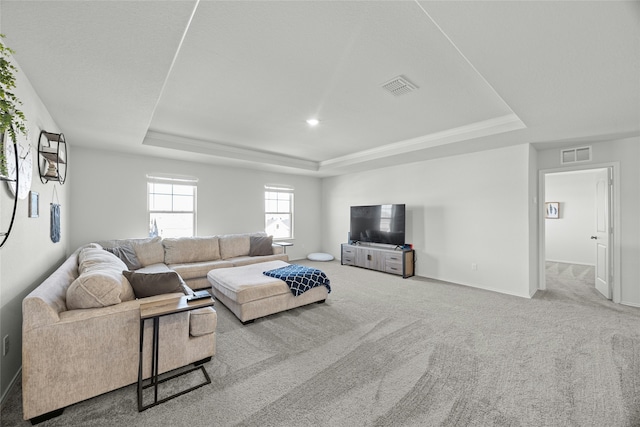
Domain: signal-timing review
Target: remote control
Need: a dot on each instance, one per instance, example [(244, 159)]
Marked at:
[(199, 295)]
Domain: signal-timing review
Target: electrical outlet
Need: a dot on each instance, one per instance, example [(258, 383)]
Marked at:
[(5, 345), (474, 266)]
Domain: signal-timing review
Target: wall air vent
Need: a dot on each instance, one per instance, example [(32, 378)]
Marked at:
[(575, 155), (399, 86)]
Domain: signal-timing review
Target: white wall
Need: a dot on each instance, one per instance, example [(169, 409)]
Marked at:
[(471, 208), (110, 198), (29, 254), (568, 237), (627, 153)]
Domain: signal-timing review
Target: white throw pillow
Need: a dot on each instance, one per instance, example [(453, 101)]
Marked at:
[(100, 283)]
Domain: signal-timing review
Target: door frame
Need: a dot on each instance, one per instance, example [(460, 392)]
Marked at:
[(614, 220)]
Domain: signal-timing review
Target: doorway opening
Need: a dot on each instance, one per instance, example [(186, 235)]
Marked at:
[(577, 229)]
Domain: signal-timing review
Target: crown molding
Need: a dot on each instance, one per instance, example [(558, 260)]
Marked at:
[(175, 142), (484, 128)]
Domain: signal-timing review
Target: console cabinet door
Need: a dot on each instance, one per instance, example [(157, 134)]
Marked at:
[(370, 258)]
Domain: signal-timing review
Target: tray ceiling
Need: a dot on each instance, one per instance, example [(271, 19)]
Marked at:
[(234, 82)]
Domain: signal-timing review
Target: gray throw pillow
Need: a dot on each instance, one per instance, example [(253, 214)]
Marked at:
[(150, 284), (260, 245), (127, 254)]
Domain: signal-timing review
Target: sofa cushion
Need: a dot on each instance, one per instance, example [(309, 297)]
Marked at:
[(247, 283), (190, 249), (260, 245), (127, 254), (100, 282), (149, 251), (199, 283), (151, 284), (155, 268), (246, 260), (198, 269), (202, 321), (234, 245)]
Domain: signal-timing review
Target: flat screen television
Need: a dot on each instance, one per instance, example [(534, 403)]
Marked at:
[(378, 224)]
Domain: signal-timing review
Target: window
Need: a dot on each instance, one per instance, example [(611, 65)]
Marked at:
[(278, 211), (172, 206)]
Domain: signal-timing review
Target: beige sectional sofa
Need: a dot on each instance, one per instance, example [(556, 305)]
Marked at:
[(194, 257), (81, 326)]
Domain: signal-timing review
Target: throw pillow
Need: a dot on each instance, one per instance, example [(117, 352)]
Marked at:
[(260, 245), (127, 254), (95, 289), (100, 282), (93, 258), (150, 284)]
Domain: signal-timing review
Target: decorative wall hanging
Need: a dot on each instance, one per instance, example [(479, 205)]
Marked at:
[(4, 235), (552, 210), (34, 208), (55, 218), (12, 124)]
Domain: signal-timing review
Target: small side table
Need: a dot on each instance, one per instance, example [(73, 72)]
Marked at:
[(155, 310), (284, 245)]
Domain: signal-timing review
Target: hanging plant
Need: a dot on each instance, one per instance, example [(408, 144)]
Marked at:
[(12, 120)]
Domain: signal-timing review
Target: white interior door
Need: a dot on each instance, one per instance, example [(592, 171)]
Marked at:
[(602, 236)]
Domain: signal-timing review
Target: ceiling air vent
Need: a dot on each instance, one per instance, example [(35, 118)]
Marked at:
[(574, 155), (399, 86)]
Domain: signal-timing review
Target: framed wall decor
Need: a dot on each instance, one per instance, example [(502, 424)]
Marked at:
[(552, 210), (34, 204)]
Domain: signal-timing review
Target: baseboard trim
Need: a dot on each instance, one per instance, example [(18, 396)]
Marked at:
[(12, 384), (484, 288), (570, 262), (630, 304)]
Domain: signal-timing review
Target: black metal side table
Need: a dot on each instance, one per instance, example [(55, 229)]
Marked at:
[(155, 310)]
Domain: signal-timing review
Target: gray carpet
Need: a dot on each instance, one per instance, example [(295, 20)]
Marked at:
[(387, 351)]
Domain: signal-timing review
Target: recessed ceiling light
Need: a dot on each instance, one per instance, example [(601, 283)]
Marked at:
[(313, 122)]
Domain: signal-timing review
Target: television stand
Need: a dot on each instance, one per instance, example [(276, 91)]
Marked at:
[(388, 260)]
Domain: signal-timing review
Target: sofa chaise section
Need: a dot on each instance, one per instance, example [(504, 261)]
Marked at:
[(249, 294)]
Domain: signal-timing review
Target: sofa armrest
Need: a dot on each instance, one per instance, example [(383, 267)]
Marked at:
[(36, 312), (44, 304), (277, 249), (92, 351)]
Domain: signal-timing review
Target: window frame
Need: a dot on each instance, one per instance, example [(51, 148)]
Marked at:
[(280, 189), (173, 180)]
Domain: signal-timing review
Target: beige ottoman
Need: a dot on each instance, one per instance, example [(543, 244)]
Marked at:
[(249, 294)]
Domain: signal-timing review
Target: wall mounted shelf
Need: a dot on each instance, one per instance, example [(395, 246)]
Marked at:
[(52, 147)]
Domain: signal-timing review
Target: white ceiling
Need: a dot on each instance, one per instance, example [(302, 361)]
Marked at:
[(233, 82)]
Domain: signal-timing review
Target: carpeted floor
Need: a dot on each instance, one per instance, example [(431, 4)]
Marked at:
[(387, 351)]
